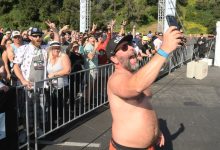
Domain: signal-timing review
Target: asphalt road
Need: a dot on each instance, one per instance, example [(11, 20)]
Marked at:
[(188, 111)]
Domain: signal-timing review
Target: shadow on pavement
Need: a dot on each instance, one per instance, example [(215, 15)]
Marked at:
[(168, 136)]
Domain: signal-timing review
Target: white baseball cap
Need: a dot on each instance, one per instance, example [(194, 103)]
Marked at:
[(15, 33)]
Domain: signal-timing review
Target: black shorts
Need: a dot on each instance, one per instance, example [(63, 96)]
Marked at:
[(115, 146)]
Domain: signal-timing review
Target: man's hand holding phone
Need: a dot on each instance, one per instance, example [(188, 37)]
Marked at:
[(171, 20)]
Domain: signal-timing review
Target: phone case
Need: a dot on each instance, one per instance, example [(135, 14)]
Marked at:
[(171, 20)]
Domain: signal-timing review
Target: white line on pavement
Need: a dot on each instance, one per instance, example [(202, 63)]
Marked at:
[(78, 144)]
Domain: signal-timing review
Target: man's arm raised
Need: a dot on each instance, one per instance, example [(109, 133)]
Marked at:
[(134, 84)]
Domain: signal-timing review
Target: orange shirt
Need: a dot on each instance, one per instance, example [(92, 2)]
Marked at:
[(102, 50)]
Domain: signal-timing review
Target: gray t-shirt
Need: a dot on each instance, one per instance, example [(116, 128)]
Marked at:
[(37, 68)]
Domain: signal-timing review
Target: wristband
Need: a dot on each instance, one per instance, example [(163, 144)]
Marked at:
[(162, 53)]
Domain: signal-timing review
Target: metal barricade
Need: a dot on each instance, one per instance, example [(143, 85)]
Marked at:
[(183, 54), (24, 130), (54, 103)]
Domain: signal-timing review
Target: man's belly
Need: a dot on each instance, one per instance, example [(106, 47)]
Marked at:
[(138, 129)]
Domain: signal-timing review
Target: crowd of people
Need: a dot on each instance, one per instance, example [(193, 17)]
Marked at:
[(28, 56), (32, 56)]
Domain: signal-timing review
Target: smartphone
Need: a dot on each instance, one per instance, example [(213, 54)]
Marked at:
[(171, 20)]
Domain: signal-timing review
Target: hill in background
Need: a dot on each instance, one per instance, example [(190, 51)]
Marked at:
[(197, 16)]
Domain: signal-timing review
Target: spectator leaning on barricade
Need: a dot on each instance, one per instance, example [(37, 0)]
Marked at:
[(76, 80), (91, 62), (7, 57), (58, 65), (145, 46), (29, 67), (76, 58), (10, 52)]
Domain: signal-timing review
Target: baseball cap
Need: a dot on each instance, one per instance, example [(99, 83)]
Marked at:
[(15, 33), (160, 34), (114, 42), (8, 32), (54, 43), (36, 31)]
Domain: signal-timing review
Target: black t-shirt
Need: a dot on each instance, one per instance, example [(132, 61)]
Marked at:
[(201, 41), (142, 47), (76, 61)]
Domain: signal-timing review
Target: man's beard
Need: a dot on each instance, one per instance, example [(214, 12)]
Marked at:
[(128, 66), (36, 43)]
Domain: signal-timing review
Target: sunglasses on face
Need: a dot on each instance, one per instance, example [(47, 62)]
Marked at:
[(124, 47), (17, 37), (35, 36)]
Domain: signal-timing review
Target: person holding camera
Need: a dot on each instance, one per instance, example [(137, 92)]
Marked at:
[(135, 124)]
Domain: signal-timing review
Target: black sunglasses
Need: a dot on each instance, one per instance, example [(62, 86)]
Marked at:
[(124, 47), (17, 37), (35, 36)]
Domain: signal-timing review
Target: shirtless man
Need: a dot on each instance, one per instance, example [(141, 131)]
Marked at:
[(135, 122)]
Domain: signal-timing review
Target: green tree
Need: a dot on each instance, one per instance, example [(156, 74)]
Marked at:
[(7, 5), (182, 2), (69, 13)]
